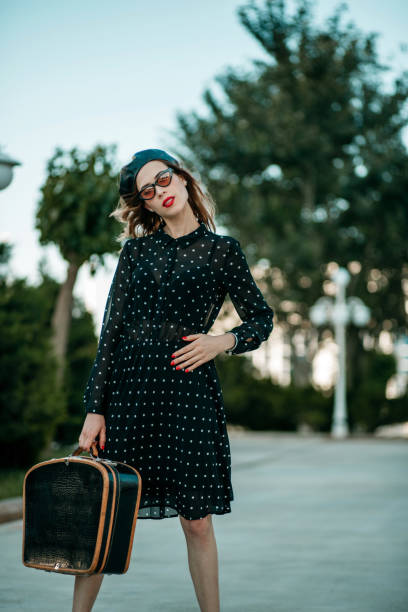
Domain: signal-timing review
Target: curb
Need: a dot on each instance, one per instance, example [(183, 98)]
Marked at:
[(11, 509)]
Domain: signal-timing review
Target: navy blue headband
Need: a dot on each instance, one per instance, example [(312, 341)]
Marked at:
[(129, 172)]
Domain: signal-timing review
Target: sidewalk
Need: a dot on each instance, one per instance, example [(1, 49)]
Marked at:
[(317, 525)]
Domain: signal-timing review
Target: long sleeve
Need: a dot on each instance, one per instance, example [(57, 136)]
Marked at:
[(251, 306), (95, 391)]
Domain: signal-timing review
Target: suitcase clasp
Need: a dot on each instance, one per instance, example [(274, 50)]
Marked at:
[(106, 460)]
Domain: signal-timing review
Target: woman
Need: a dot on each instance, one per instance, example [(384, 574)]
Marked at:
[(153, 398)]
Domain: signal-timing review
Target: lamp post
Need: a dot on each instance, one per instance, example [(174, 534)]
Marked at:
[(339, 312)]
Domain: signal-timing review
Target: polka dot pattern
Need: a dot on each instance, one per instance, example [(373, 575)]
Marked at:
[(170, 424)]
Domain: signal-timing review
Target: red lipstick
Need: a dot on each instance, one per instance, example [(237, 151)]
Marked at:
[(168, 201)]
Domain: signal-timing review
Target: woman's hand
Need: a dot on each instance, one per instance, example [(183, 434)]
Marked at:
[(201, 348), (94, 424)]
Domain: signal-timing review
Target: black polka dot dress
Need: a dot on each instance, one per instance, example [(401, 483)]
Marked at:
[(170, 424)]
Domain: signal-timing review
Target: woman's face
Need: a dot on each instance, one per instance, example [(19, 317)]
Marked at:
[(176, 190)]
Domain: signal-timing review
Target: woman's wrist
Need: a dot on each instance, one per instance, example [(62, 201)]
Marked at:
[(230, 341)]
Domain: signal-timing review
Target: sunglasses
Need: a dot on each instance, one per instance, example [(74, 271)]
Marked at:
[(163, 179)]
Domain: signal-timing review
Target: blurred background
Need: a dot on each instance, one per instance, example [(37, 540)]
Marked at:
[(292, 114)]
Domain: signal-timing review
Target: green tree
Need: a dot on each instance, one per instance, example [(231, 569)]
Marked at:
[(304, 156), (32, 404), (78, 196), (367, 404)]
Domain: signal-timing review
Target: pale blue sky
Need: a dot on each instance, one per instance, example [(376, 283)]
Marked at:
[(71, 76)]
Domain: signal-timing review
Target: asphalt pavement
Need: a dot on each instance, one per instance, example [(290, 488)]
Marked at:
[(317, 525)]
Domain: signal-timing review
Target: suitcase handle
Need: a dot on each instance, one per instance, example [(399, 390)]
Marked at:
[(79, 450)]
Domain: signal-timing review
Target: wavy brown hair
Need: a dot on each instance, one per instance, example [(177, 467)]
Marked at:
[(139, 221)]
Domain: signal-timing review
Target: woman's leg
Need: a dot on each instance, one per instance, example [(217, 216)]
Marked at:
[(203, 561), (85, 591)]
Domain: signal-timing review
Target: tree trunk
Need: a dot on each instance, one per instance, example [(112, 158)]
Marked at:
[(309, 193), (301, 365), (61, 319), (354, 350)]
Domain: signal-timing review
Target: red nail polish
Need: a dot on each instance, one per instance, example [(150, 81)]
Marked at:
[(173, 355), (102, 447), (178, 367), (172, 363), (186, 370), (184, 338)]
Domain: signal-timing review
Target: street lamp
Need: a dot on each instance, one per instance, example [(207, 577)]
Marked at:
[(340, 312), (6, 169)]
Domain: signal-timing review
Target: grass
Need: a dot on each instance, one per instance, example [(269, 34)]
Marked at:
[(11, 480)]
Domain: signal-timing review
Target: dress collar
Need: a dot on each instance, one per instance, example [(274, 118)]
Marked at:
[(183, 241)]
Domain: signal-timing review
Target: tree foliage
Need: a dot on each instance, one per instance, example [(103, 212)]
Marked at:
[(31, 403), (304, 156), (77, 198), (34, 409)]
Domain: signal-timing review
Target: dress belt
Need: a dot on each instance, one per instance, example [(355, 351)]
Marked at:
[(147, 329)]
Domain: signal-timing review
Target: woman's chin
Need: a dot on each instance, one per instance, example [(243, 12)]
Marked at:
[(173, 210)]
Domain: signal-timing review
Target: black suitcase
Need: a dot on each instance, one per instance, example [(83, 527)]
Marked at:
[(79, 514)]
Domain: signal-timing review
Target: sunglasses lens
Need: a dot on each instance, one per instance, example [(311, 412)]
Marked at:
[(147, 193), (164, 179)]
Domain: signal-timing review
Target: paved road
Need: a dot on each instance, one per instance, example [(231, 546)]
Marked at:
[(317, 525)]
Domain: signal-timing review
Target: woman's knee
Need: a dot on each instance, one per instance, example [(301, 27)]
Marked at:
[(196, 527)]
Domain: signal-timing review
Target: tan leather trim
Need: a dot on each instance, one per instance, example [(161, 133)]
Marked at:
[(112, 514)]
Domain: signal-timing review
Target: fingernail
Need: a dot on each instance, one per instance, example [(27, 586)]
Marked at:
[(173, 355), (171, 362), (186, 370), (184, 337), (102, 447), (178, 367)]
